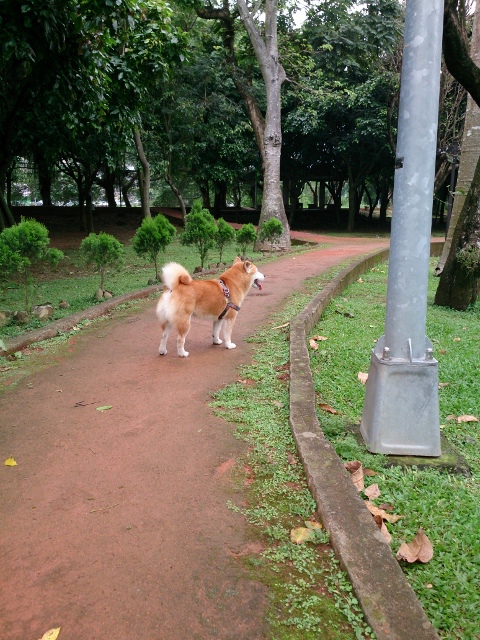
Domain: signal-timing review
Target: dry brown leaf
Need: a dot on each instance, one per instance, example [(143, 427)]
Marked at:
[(360, 280), (327, 408), (372, 491), (381, 525), (443, 384), (451, 417), (376, 511), (457, 339), (319, 338), (52, 634), (313, 344), (369, 472), (363, 377), (467, 419), (354, 467), (420, 548), (301, 535)]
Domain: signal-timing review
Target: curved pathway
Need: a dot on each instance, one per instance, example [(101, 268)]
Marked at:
[(114, 523)]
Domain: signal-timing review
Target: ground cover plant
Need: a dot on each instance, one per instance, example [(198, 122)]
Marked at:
[(445, 505)]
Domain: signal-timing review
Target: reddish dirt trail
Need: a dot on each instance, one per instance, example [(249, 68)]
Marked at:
[(114, 524)]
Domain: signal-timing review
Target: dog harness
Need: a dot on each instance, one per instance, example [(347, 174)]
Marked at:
[(230, 304)]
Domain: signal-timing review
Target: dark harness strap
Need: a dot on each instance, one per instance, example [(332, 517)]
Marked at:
[(230, 304)]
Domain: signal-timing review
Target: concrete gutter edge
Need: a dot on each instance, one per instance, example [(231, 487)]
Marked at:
[(390, 605)]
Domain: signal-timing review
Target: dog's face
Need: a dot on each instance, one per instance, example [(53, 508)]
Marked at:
[(252, 270)]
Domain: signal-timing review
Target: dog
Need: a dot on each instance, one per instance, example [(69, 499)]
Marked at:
[(218, 299)]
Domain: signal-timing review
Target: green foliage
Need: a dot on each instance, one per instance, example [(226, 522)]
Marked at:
[(153, 236), (102, 250), (246, 236), (270, 231), (200, 231), (224, 235), (22, 247)]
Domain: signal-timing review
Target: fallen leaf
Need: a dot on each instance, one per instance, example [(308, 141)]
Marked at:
[(360, 280), (442, 351), (327, 408), (369, 472), (291, 459), (376, 511), (467, 419), (105, 407), (381, 525), (457, 339), (313, 344), (363, 377), (51, 635), (10, 462), (372, 491), (420, 548), (354, 467), (320, 338), (443, 384), (312, 525), (301, 535), (451, 417)]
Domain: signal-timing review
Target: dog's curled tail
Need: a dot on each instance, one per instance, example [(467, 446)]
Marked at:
[(174, 274)]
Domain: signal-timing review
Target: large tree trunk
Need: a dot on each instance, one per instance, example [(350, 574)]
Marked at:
[(144, 175), (266, 52), (176, 191), (459, 278)]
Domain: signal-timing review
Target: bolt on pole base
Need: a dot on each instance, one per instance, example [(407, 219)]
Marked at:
[(400, 412)]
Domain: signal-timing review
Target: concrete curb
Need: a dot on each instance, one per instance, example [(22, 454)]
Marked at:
[(57, 327), (390, 605)]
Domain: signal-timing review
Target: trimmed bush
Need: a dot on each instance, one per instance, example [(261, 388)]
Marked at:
[(153, 236), (246, 236), (200, 231), (102, 250)]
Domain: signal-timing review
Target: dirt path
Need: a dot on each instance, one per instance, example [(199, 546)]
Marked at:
[(114, 524)]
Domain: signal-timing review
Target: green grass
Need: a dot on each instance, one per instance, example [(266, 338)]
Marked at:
[(446, 506), (310, 597)]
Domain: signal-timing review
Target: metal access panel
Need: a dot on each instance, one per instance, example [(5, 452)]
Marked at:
[(400, 413)]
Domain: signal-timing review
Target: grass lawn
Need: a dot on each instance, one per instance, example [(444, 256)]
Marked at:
[(446, 506)]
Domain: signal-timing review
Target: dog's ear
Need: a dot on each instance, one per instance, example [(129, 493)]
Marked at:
[(237, 260), (248, 266)]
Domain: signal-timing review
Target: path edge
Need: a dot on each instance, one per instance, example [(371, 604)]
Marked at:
[(389, 604)]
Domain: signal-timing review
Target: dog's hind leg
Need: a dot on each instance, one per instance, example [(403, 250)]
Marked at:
[(182, 330), (217, 325), (166, 328)]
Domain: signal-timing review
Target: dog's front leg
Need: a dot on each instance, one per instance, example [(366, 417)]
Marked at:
[(217, 325), (227, 332)]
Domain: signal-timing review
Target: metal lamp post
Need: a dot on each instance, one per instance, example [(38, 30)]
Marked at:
[(400, 414)]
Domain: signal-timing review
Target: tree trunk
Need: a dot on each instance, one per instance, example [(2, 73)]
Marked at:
[(459, 281), (458, 286), (176, 191), (266, 52), (144, 175), (5, 213)]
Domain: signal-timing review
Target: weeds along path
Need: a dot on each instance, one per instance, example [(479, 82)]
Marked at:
[(114, 522)]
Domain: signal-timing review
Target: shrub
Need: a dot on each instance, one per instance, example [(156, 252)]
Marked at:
[(102, 250), (246, 235), (270, 231), (224, 235), (153, 236), (200, 231), (22, 247)]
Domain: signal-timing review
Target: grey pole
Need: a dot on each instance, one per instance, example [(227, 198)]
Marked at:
[(400, 414)]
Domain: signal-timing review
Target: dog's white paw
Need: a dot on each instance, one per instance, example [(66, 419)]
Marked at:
[(183, 353), (217, 341), (231, 345), (162, 352)]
